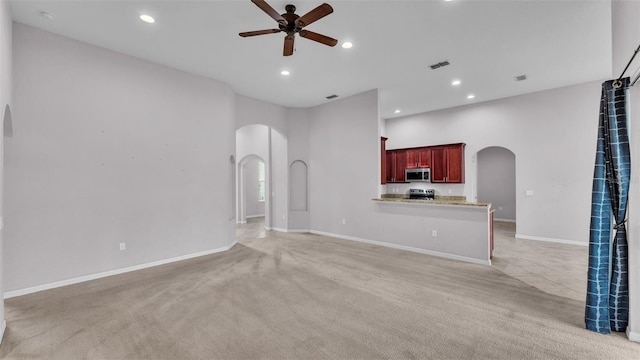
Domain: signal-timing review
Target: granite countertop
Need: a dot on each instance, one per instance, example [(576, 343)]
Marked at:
[(439, 200)]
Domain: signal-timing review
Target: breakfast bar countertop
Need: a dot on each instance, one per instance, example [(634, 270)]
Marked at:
[(439, 200)]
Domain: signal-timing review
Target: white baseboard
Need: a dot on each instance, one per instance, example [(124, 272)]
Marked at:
[(2, 329), (278, 229), (57, 284), (407, 248), (633, 336), (504, 220), (253, 216), (553, 240), (298, 230), (241, 222)]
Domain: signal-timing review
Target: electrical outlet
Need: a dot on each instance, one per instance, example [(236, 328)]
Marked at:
[(529, 192), (344, 221), (284, 217), (434, 233), (499, 207), (123, 246)]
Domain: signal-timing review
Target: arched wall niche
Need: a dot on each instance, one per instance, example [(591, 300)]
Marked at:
[(7, 123), (298, 186)]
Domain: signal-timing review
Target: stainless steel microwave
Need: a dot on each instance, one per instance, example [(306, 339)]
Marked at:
[(422, 174)]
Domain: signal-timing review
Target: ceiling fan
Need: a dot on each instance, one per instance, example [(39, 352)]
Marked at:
[(290, 23)]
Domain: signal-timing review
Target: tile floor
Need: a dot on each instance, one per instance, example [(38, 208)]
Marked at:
[(557, 269)]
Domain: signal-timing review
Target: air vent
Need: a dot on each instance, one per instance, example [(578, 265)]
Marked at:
[(332, 96), (520, 77), (439, 65)]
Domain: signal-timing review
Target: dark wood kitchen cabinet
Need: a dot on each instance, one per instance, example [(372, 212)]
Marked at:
[(418, 157), (396, 163), (447, 164)]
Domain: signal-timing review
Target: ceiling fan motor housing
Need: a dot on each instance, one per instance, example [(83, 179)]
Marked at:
[(290, 27)]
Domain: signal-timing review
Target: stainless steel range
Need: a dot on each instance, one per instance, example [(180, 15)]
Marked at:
[(421, 194)]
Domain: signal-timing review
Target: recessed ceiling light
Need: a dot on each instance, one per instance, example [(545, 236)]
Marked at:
[(456, 82), (147, 18), (397, 111), (285, 72), (47, 15), (470, 96), (347, 45)]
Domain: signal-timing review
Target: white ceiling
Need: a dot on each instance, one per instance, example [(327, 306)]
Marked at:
[(488, 42)]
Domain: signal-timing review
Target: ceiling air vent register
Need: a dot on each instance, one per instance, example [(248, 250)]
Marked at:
[(439, 65)]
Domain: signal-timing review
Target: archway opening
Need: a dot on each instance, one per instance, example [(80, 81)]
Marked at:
[(262, 176), (497, 181)]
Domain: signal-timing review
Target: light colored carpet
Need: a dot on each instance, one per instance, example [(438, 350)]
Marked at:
[(302, 296)]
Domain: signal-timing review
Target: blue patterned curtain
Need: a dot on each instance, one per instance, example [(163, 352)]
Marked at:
[(607, 305)]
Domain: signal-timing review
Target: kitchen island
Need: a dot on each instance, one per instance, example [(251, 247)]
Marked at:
[(447, 227)]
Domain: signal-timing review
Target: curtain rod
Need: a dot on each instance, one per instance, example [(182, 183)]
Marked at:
[(617, 82)]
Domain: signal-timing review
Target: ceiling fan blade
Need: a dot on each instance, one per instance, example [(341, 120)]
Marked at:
[(314, 15), (270, 11), (318, 37), (288, 45), (259, 32)]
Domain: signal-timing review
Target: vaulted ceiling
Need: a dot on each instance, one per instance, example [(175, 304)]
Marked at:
[(487, 43)]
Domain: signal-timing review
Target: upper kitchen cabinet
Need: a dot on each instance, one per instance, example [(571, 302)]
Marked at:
[(418, 157), (396, 164), (447, 163)]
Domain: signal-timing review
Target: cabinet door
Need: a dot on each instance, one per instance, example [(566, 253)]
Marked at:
[(412, 158), (438, 164), (391, 166), (455, 163), (401, 164), (424, 157)]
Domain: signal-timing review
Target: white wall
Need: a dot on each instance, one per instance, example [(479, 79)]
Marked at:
[(251, 111), (497, 181), (6, 55), (552, 134), (343, 163), (108, 149)]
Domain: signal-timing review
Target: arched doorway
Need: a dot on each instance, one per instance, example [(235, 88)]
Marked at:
[(497, 181), (252, 199), (259, 143)]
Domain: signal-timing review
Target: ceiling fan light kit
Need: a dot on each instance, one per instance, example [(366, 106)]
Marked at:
[(291, 24)]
